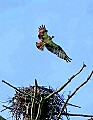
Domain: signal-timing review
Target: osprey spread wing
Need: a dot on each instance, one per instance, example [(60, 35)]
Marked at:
[(46, 41)]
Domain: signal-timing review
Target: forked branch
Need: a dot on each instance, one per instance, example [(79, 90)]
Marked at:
[(70, 96)]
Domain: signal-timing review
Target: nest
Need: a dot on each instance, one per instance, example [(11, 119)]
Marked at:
[(31, 103), (41, 103)]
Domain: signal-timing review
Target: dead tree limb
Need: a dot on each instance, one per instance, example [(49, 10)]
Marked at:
[(22, 92), (39, 109), (69, 80), (70, 96), (33, 101), (12, 86), (79, 115)]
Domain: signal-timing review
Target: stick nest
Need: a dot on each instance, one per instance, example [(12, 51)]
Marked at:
[(26, 102)]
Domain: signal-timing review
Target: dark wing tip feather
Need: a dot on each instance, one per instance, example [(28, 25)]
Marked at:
[(68, 59), (58, 51), (41, 27), (63, 55)]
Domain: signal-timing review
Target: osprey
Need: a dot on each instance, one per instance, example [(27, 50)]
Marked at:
[(47, 41)]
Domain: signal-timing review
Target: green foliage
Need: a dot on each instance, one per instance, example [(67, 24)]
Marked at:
[(1, 118)]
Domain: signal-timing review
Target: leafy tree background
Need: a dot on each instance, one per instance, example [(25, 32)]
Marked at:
[(71, 22)]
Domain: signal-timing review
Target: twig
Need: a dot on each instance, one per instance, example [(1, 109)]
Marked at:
[(81, 115), (6, 107), (12, 86), (69, 80), (39, 109), (33, 101), (84, 65), (73, 105), (24, 93), (64, 105), (69, 103)]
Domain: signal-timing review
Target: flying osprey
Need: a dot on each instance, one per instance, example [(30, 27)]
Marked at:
[(47, 41)]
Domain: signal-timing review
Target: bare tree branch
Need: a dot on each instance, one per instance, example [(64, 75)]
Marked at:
[(39, 109), (6, 107), (33, 101), (73, 105), (69, 80), (22, 92), (80, 115), (12, 86), (64, 105)]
